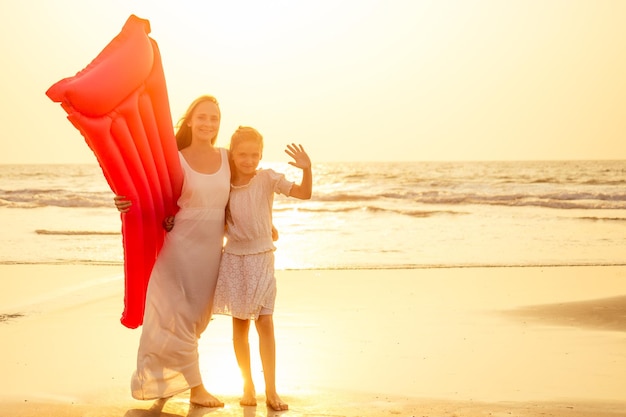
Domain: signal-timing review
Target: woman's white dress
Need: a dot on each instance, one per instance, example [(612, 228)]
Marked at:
[(181, 288)]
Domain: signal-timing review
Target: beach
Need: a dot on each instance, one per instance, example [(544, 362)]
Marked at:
[(463, 250), (499, 341)]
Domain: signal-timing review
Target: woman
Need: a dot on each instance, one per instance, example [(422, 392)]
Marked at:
[(180, 292)]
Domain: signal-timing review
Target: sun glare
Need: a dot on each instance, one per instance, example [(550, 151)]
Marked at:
[(218, 364)]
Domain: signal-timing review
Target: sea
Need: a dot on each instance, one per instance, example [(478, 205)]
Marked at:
[(362, 215)]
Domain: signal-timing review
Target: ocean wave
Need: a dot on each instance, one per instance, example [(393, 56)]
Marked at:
[(370, 209), (76, 232), (373, 266), (567, 204), (564, 185), (33, 198), (411, 212), (345, 197), (564, 264), (562, 181), (603, 219), (29, 199), (564, 199), (10, 316)]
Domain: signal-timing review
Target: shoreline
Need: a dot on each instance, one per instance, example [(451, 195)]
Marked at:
[(398, 267), (427, 342)]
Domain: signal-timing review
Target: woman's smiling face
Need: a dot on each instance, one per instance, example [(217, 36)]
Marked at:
[(205, 121)]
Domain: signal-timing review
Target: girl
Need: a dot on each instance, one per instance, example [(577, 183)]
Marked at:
[(246, 287)]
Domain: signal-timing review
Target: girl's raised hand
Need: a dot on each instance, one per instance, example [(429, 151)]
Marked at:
[(301, 159)]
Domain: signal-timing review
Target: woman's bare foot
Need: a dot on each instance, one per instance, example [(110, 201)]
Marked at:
[(201, 397), (275, 403), (249, 395)]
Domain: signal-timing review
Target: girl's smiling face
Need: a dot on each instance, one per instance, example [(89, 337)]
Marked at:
[(246, 157)]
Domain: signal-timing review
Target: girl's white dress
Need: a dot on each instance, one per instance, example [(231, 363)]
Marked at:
[(181, 287), (246, 283)]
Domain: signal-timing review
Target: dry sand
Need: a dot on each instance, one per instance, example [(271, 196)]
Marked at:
[(421, 342)]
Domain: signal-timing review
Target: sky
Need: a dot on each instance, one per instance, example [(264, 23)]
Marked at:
[(351, 80)]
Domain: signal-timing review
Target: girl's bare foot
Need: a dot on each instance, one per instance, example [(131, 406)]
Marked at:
[(275, 403), (159, 404), (249, 395), (201, 397)]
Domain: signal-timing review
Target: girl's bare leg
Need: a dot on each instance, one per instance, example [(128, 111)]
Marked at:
[(242, 353), (267, 347), (159, 404), (200, 396)]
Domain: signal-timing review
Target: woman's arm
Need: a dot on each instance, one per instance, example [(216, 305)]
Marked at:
[(123, 206), (122, 203)]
